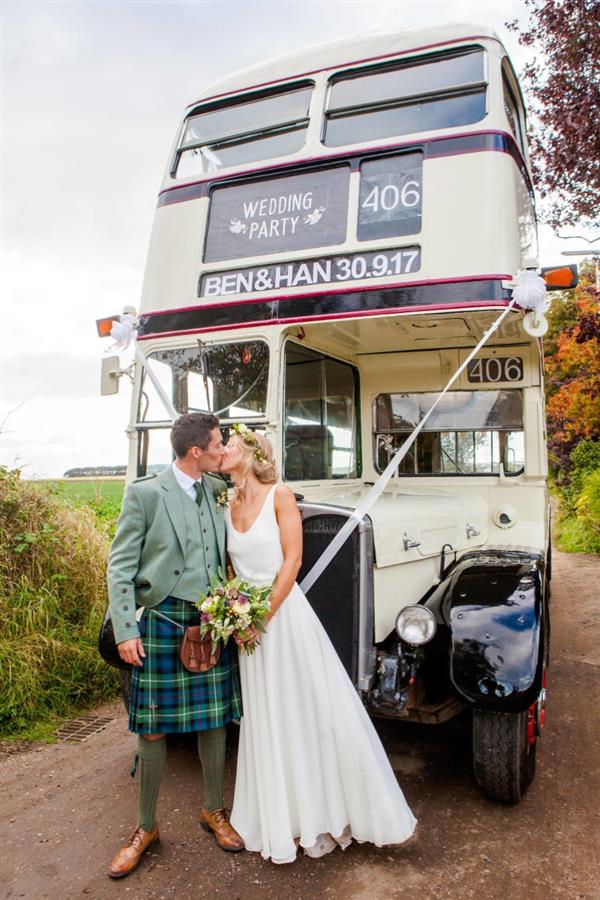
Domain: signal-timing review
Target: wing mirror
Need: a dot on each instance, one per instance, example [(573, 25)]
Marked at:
[(110, 375)]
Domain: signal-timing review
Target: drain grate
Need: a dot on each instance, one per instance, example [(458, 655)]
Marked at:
[(83, 727)]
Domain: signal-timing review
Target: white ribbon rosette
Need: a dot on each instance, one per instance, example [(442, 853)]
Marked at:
[(529, 293), (123, 332)]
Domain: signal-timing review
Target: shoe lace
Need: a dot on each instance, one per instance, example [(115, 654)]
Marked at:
[(136, 838), (221, 816)]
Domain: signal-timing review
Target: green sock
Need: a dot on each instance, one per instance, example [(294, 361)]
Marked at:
[(211, 750), (152, 756)]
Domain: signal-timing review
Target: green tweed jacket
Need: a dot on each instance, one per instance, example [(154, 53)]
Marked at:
[(147, 554)]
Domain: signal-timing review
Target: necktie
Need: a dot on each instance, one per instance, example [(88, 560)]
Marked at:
[(198, 489)]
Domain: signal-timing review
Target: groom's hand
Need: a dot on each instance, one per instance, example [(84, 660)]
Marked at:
[(132, 651)]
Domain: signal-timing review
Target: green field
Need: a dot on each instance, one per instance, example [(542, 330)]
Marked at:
[(104, 497), (92, 490)]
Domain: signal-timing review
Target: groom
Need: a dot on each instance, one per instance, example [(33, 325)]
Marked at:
[(169, 542)]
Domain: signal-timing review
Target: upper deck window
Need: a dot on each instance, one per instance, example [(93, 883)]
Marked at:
[(426, 95), (244, 131)]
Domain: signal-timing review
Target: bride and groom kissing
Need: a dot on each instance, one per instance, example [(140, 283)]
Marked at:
[(311, 771)]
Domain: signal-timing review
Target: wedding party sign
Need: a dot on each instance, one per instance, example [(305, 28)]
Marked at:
[(291, 213)]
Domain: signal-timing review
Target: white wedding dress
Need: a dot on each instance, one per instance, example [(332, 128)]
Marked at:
[(310, 764)]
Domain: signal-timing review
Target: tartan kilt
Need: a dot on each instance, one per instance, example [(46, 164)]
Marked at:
[(165, 697)]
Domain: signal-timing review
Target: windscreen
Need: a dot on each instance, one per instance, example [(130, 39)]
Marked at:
[(229, 380), (321, 423)]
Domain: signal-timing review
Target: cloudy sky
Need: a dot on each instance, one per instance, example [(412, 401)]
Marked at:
[(92, 95)]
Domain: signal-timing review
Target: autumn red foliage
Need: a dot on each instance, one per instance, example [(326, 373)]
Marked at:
[(562, 85), (572, 350)]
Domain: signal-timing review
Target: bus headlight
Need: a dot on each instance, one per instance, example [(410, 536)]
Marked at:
[(415, 624)]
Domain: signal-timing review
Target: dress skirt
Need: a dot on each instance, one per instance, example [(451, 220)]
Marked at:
[(311, 768)]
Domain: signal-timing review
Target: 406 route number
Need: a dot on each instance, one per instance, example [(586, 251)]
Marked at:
[(495, 368), (389, 196)]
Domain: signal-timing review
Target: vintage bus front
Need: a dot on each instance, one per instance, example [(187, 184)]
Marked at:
[(335, 233)]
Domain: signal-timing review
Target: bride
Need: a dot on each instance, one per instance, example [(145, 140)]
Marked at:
[(311, 770)]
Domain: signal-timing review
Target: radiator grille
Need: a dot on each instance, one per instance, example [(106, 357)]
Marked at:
[(335, 596)]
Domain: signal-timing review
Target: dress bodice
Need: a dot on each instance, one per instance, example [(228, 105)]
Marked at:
[(256, 554)]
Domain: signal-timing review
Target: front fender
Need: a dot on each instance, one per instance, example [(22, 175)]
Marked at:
[(494, 606)]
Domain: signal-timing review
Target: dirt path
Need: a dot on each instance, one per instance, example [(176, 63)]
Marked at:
[(66, 808)]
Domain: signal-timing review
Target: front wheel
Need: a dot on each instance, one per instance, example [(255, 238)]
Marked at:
[(503, 754)]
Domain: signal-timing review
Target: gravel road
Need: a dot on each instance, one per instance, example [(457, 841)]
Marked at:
[(68, 806)]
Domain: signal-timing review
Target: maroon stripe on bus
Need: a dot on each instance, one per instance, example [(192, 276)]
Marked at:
[(299, 320), (341, 66), (438, 295), (454, 145), (205, 302)]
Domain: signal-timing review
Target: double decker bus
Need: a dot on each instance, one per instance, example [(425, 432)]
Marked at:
[(335, 232)]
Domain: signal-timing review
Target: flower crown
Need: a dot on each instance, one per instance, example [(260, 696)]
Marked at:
[(249, 438)]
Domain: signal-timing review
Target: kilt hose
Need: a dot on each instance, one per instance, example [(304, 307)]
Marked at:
[(165, 697)]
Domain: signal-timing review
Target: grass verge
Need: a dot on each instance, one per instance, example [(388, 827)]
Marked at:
[(52, 600), (577, 527), (575, 535)]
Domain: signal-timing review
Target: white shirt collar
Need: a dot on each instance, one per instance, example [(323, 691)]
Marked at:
[(185, 481)]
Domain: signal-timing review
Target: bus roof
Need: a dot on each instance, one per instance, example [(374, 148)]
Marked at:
[(347, 51)]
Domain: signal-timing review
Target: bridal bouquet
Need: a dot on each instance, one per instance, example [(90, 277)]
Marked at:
[(234, 608)]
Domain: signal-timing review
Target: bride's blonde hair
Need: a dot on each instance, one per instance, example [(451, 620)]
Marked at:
[(257, 454)]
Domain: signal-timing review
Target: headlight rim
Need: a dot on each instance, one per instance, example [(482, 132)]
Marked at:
[(428, 615)]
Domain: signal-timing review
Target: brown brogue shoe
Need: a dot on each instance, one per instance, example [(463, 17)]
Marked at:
[(226, 837), (129, 856)]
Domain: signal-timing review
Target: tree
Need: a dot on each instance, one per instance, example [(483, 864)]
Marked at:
[(572, 348), (563, 87)]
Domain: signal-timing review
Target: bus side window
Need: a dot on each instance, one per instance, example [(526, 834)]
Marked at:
[(512, 111)]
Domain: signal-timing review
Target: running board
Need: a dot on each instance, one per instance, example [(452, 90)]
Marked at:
[(427, 714)]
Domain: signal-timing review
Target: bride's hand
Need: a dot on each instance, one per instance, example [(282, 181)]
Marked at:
[(251, 634)]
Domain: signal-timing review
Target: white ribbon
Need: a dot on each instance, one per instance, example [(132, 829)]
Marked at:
[(380, 485), (123, 332), (529, 293)]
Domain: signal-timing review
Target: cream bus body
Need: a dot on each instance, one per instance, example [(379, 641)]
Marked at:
[(389, 319)]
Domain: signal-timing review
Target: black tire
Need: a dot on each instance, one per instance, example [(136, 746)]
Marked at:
[(125, 679), (503, 759)]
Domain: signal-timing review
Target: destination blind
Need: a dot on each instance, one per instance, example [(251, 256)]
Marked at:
[(311, 209), (310, 272)]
